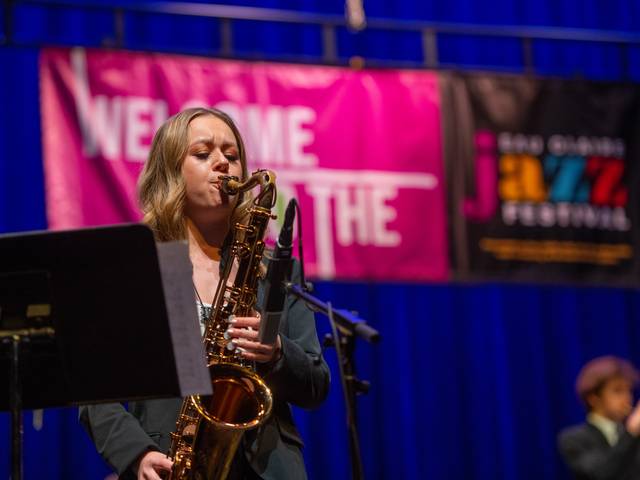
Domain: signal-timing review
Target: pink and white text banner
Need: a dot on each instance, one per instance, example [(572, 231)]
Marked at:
[(360, 149)]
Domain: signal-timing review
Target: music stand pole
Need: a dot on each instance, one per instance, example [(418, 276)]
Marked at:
[(16, 409), (15, 339)]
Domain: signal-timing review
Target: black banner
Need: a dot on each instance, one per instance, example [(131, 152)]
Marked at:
[(542, 178)]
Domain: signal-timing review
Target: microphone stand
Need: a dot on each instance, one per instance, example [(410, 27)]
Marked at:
[(345, 327)]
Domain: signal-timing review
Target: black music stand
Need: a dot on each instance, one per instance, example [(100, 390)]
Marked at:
[(95, 315)]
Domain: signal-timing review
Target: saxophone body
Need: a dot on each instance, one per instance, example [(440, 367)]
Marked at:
[(209, 427)]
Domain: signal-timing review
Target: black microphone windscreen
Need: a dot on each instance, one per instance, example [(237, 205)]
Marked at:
[(286, 233)]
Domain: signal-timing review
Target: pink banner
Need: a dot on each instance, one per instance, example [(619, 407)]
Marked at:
[(360, 149)]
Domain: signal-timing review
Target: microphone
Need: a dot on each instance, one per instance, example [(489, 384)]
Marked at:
[(278, 273)]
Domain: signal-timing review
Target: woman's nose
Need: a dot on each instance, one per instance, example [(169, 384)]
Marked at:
[(220, 163)]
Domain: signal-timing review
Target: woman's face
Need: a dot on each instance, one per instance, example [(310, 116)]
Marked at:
[(213, 151)]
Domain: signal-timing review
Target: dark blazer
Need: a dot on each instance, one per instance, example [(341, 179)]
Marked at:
[(590, 457), (300, 377)]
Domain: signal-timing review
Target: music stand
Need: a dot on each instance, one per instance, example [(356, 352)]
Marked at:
[(95, 315)]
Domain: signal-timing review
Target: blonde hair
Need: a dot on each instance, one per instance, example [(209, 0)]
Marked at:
[(161, 187)]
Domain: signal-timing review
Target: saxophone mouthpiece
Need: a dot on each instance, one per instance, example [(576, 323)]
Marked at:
[(230, 184)]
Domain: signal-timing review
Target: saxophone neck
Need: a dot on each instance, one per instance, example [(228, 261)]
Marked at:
[(266, 179)]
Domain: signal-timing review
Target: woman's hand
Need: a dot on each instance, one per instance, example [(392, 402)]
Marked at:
[(243, 332), (151, 464)]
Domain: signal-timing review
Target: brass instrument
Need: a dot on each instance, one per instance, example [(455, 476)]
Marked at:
[(209, 428)]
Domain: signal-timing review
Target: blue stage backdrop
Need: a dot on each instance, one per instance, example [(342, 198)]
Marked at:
[(470, 381)]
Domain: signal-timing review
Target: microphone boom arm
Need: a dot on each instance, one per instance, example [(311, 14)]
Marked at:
[(346, 321)]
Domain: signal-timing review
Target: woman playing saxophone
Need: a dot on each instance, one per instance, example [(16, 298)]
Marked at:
[(181, 197)]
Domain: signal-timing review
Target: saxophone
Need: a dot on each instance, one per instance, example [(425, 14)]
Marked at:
[(209, 428)]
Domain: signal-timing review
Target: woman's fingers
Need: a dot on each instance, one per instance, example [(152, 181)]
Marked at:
[(151, 463), (243, 332), (150, 475), (244, 322), (253, 346), (234, 332), (256, 357), (255, 351), (164, 464)]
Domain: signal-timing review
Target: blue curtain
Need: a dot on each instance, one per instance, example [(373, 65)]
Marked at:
[(470, 381)]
